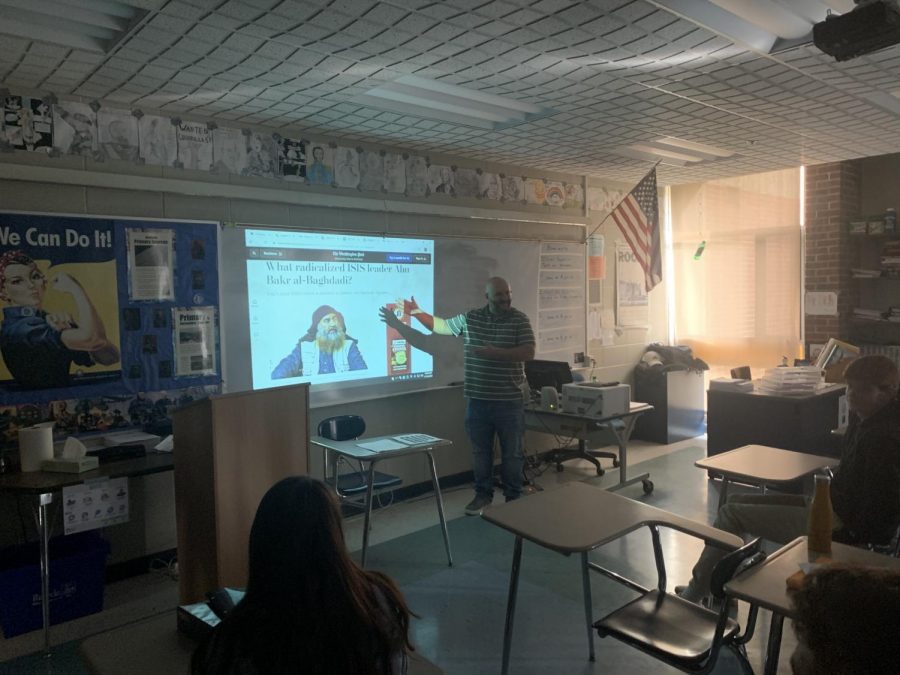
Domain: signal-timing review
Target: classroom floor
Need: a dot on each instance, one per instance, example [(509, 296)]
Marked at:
[(462, 608)]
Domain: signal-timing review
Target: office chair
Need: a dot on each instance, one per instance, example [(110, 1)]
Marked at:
[(680, 633), (741, 373), (350, 486)]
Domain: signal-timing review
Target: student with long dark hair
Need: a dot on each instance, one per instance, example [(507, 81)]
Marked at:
[(309, 608)]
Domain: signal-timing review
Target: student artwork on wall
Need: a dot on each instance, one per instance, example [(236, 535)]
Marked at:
[(535, 191), (260, 155), (194, 146), (158, 145), (513, 189), (574, 196), (466, 183), (394, 173), (72, 327), (371, 171), (118, 133), (75, 129), (229, 151), (555, 194), (489, 186), (291, 159), (416, 176), (319, 164), (346, 168), (26, 124), (440, 180)]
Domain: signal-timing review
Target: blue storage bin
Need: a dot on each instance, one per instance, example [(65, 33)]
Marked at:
[(77, 570)]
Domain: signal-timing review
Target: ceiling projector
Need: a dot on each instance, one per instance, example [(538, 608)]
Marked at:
[(870, 26)]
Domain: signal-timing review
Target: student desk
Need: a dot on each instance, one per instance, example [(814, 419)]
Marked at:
[(761, 465), (154, 645), (556, 519), (765, 584), (42, 484), (612, 430), (353, 450)]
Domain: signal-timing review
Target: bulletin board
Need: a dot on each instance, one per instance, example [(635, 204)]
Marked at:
[(102, 318)]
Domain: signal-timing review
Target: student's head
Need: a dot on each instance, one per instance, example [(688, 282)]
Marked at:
[(872, 383), (21, 282), (498, 294), (318, 153), (296, 532), (847, 620)]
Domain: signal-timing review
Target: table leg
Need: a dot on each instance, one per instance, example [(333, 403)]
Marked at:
[(773, 646), (369, 488), (588, 613), (440, 506), (511, 603), (723, 493), (43, 501), (622, 438)]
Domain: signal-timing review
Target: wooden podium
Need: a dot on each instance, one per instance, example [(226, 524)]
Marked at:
[(229, 450)]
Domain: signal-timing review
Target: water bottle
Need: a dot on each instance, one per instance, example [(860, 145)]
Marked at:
[(819, 535)]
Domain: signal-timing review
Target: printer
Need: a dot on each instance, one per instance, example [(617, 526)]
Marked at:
[(593, 399)]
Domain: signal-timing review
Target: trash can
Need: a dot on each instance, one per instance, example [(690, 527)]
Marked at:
[(77, 571)]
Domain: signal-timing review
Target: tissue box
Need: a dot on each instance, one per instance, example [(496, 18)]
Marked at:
[(78, 465)]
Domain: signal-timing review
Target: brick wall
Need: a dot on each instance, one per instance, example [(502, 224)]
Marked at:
[(832, 199)]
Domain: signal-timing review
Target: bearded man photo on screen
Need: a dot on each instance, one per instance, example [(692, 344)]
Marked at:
[(325, 348)]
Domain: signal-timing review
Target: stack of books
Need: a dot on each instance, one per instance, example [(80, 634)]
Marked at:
[(890, 258), (786, 381), (730, 384), (893, 314)]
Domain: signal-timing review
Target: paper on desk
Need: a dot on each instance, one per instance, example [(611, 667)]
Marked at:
[(73, 449), (381, 445)]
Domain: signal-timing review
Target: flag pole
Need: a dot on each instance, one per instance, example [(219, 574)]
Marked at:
[(613, 210)]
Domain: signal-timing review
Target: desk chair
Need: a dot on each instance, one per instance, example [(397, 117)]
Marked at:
[(741, 373), (680, 633), (352, 486)]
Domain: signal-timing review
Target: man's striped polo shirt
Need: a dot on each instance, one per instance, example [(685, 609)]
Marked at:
[(490, 379)]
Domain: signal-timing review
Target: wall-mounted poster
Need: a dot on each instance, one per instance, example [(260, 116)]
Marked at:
[(440, 180), (158, 145), (118, 131), (574, 196), (26, 123), (394, 173), (632, 300), (60, 311), (489, 186), (513, 189), (292, 159), (229, 151), (319, 164), (371, 171), (346, 167), (195, 340), (535, 191), (466, 183), (555, 194), (150, 264), (416, 176), (194, 146), (75, 129), (260, 155)]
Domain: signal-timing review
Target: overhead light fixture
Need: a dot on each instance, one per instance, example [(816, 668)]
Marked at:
[(768, 26), (674, 152), (91, 25), (421, 97)]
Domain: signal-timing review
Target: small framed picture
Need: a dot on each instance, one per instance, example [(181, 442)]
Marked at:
[(813, 349)]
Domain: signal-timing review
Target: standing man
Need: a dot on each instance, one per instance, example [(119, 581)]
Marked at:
[(497, 339)]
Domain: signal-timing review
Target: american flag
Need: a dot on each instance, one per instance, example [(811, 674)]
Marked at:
[(637, 217)]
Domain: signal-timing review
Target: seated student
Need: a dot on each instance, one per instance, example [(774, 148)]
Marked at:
[(308, 608), (865, 492), (847, 622)]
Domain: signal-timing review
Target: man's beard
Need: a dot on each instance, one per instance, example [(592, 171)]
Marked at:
[(333, 344)]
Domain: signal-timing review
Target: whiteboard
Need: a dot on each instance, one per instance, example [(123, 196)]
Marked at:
[(462, 267)]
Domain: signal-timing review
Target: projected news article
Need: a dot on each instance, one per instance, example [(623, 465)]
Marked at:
[(313, 302)]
